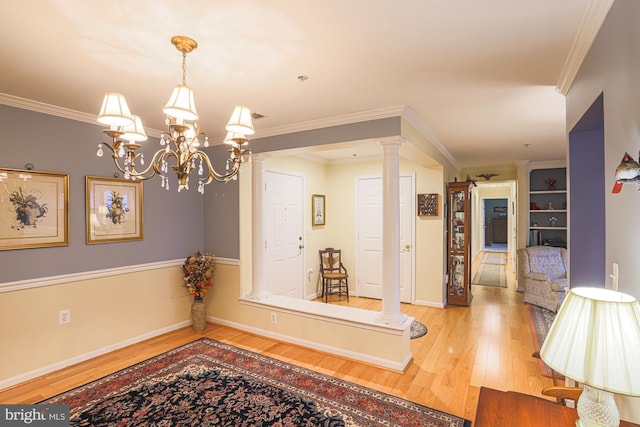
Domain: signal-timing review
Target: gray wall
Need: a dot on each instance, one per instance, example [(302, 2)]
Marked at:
[(175, 224), (172, 221), (587, 200)]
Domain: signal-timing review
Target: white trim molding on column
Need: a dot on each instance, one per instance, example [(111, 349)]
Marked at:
[(391, 313), (258, 282)]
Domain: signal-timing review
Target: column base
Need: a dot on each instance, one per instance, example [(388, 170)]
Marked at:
[(391, 319)]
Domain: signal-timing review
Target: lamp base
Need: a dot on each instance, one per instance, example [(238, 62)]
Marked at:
[(597, 408)]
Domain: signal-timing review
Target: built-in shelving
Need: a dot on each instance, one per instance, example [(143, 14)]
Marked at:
[(548, 207)]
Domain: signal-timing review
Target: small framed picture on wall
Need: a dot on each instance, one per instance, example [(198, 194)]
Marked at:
[(113, 210), (318, 209), (428, 204)]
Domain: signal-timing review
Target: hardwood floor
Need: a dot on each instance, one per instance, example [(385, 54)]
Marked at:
[(487, 344)]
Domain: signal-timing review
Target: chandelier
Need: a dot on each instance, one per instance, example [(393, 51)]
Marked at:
[(180, 143)]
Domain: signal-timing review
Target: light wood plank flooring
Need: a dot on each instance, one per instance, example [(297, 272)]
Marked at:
[(487, 344)]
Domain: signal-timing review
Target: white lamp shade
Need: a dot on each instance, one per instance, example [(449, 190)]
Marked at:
[(595, 340), (115, 111), (134, 132), (181, 105), (240, 121)]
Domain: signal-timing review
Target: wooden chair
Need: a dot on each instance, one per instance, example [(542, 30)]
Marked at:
[(335, 278), (562, 393)]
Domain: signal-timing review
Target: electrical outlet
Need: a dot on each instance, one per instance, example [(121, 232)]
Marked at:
[(64, 316), (274, 317)]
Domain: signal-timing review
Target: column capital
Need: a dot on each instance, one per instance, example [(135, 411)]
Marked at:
[(391, 141), (259, 157)]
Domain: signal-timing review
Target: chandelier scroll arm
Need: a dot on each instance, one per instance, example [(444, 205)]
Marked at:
[(212, 173)]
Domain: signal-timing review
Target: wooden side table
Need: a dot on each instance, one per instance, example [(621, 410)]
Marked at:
[(508, 409)]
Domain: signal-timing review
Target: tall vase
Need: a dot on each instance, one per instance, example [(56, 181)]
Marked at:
[(198, 315)]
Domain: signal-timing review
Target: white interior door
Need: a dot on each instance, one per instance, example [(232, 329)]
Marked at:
[(369, 237), (284, 255)]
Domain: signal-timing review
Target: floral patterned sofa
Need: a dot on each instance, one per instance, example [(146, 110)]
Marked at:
[(543, 270)]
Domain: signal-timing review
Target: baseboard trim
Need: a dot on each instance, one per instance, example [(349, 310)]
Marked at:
[(429, 304), (18, 379), (360, 357)]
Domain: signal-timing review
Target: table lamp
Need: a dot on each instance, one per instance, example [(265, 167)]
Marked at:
[(595, 340)]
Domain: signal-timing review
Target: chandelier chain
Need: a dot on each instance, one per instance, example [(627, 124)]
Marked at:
[(184, 68)]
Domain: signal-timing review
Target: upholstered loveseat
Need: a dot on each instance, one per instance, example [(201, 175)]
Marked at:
[(543, 270)]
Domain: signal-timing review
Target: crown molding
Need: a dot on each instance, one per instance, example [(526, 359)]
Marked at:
[(41, 107), (55, 110), (345, 119), (592, 21), (421, 127)]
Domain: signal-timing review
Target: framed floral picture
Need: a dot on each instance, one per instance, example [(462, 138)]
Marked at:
[(317, 209), (428, 204), (34, 209), (114, 210)]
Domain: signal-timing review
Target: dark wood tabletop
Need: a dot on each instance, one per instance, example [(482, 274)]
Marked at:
[(508, 409)]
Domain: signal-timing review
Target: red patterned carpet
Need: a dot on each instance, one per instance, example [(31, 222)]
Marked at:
[(208, 383)]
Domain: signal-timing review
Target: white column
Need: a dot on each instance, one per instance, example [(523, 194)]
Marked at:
[(258, 283), (391, 313)]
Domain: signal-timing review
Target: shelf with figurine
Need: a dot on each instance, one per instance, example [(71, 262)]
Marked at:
[(548, 208)]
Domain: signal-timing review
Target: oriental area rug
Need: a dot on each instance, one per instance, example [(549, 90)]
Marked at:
[(540, 320), (209, 383)]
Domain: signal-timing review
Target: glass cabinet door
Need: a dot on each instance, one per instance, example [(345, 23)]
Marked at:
[(459, 243)]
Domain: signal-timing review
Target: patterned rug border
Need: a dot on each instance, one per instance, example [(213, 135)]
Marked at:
[(418, 329), (538, 329), (247, 364)]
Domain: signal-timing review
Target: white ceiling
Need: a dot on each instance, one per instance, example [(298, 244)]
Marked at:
[(481, 76)]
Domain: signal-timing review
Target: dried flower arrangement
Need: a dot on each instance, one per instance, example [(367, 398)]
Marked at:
[(198, 270)]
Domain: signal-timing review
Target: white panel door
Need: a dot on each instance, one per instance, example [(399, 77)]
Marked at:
[(369, 237), (284, 256)]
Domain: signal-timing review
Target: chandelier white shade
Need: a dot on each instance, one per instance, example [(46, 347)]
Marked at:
[(595, 340), (114, 110), (240, 121), (135, 131), (182, 141), (181, 105)]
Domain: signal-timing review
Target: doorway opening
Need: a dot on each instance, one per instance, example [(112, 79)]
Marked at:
[(496, 222)]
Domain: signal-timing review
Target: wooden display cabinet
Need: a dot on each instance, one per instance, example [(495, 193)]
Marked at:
[(459, 243)]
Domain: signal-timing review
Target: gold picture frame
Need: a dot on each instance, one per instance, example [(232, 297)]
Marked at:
[(34, 209), (318, 212), (114, 210)]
